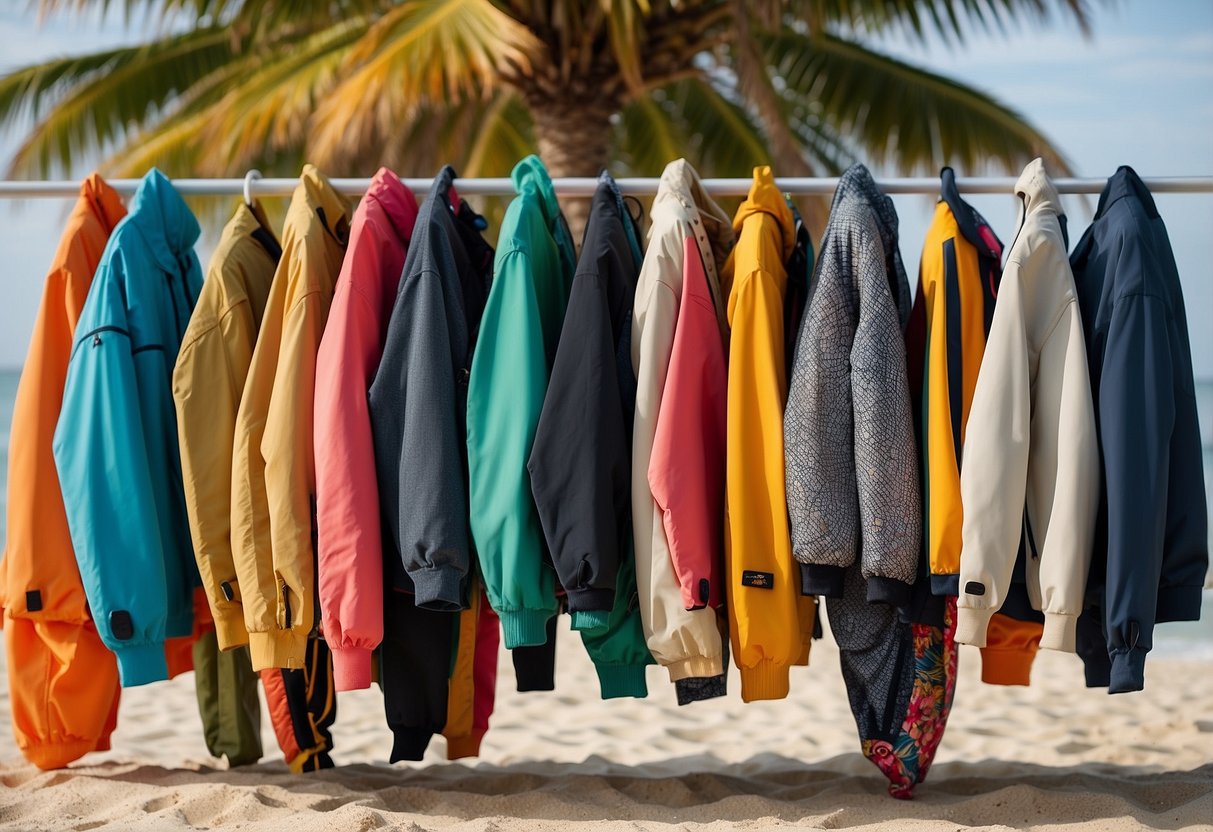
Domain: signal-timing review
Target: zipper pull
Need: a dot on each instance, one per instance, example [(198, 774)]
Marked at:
[(96, 340)]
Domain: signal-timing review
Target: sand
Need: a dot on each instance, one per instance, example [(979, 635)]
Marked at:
[(1052, 756)]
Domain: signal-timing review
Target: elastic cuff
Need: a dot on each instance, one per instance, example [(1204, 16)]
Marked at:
[(1097, 670), (945, 584), (142, 664), (886, 590), (1060, 632), (695, 667), (278, 648), (466, 746), (1128, 670), (230, 630), (590, 621), (766, 680), (1179, 603), (1007, 667), (439, 589), (525, 628), (618, 681), (822, 579), (351, 667), (409, 744), (590, 600), (52, 755), (971, 625)]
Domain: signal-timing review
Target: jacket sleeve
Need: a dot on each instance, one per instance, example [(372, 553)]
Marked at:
[(993, 481), (886, 456), (763, 614), (206, 391), (818, 435), (505, 395), (349, 546), (1137, 413), (286, 447), (106, 478), (579, 462)]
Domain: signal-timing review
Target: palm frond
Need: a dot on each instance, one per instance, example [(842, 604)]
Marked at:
[(953, 20)]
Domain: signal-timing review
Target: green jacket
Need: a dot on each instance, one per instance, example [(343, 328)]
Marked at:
[(532, 273)]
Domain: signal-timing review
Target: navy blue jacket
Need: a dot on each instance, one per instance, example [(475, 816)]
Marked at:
[(1151, 545)]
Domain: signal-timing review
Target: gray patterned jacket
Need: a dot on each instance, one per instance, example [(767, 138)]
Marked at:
[(852, 467)]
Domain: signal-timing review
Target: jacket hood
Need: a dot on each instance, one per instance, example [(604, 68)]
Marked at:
[(681, 182), (333, 208), (1126, 182), (398, 202), (106, 203), (766, 198), (1037, 189), (164, 221), (530, 174)]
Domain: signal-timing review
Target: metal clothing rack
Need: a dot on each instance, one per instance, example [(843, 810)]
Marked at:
[(585, 186)]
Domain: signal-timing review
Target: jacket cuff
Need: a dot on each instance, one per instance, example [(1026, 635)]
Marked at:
[(885, 590), (1060, 632), (466, 746), (766, 680), (822, 579), (700, 689), (618, 681), (524, 628), (278, 648), (229, 628), (141, 664), (971, 625), (945, 584), (1179, 603), (590, 600), (52, 755), (438, 589), (351, 667), (410, 744), (1007, 667), (590, 621), (1128, 670), (695, 667)]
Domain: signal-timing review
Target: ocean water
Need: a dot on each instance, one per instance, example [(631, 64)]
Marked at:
[(1193, 638)]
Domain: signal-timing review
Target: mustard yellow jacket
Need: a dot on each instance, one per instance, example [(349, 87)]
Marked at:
[(273, 470)]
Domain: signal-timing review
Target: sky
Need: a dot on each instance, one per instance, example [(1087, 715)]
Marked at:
[(1139, 91)]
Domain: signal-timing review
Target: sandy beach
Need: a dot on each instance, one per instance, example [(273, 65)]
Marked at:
[(1051, 756)]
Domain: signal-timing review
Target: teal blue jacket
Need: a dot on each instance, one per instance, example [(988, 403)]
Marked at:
[(532, 273), (116, 442)]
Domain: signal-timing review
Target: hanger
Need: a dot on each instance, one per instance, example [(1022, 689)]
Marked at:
[(248, 186)]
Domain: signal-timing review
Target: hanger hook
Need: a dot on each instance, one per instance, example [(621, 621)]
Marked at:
[(248, 185)]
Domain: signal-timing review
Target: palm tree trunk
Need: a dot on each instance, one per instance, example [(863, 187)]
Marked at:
[(574, 140)]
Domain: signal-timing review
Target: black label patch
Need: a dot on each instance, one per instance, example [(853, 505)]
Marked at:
[(121, 625), (33, 600), (704, 590), (759, 580), (975, 588)]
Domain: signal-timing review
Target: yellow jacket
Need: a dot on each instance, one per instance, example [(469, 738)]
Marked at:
[(769, 625), (273, 471), (208, 382)]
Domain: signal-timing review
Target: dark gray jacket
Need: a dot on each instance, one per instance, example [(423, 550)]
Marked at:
[(852, 469), (418, 400), (1151, 541)]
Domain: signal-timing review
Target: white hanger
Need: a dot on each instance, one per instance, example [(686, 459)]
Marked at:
[(248, 186)]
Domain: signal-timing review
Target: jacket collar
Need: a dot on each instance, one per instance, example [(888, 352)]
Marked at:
[(397, 201), (332, 208), (1038, 194), (971, 224), (250, 221), (1125, 182), (766, 198), (531, 175), (164, 221), (714, 231), (104, 201), (857, 184), (609, 196)]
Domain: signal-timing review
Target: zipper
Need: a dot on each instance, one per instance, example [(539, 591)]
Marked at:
[(95, 334), (1027, 523), (286, 605)]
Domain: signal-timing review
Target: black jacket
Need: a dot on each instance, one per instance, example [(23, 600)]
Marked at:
[(1151, 545)]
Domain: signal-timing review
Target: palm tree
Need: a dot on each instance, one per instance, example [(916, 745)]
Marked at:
[(224, 85)]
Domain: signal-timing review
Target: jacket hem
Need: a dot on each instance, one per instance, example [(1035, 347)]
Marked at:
[(885, 590), (524, 628), (230, 630), (945, 584), (438, 589), (409, 744), (590, 621), (700, 689), (590, 600), (1179, 603), (51, 755), (971, 625), (1128, 670), (351, 667), (277, 648), (766, 680), (141, 664), (620, 681), (822, 579), (457, 748), (695, 667), (1007, 667), (1060, 632)]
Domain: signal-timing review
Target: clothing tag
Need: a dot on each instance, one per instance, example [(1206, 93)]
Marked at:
[(33, 601), (759, 580), (121, 625), (705, 590), (975, 588)]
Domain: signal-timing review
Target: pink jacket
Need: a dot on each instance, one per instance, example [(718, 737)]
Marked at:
[(347, 497)]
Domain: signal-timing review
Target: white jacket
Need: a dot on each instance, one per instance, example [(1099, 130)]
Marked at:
[(1031, 456)]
